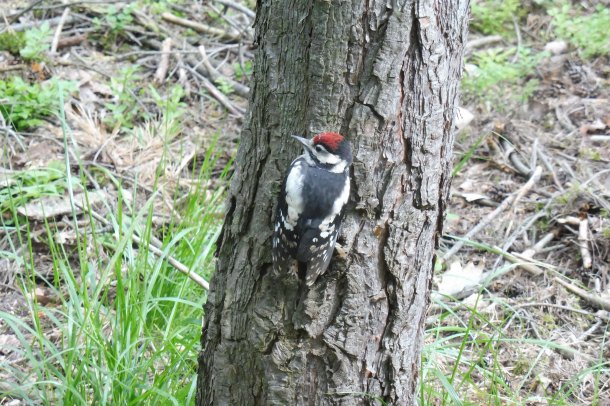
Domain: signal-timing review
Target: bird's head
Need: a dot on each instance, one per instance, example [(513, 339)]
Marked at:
[(329, 150)]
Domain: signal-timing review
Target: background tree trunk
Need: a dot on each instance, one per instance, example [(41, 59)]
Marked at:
[(386, 75)]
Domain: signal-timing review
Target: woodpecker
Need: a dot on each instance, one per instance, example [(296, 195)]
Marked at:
[(311, 205)]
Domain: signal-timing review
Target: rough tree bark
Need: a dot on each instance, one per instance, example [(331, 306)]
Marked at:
[(385, 74)]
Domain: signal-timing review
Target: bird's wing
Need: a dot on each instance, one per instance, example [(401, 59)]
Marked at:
[(316, 247), (284, 245)]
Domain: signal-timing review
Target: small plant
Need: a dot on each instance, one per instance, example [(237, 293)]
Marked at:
[(24, 104), (242, 71), (170, 108), (12, 42), (224, 86), (498, 75), (37, 42), (588, 33), (494, 16), (31, 184), (128, 323), (123, 109), (114, 22)]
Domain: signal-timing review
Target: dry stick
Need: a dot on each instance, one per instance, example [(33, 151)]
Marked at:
[(549, 166), (51, 21), (174, 262), (596, 301), (583, 243), (599, 138), (555, 305), (204, 28), (182, 76), (571, 220), (13, 67), (161, 71), (524, 259), (194, 66), (59, 29), (214, 75), (511, 153), (515, 197), (239, 7), (217, 94), (481, 42), (14, 17), (71, 41), (591, 330)]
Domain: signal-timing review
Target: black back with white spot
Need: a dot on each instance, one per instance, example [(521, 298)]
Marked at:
[(312, 240)]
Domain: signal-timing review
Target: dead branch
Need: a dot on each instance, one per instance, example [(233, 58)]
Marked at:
[(195, 66), (593, 300), (514, 197), (583, 243), (52, 22), (199, 27), (161, 72), (171, 260), (182, 76), (71, 41), (249, 13), (218, 95), (59, 29), (524, 259), (215, 76), (483, 41)]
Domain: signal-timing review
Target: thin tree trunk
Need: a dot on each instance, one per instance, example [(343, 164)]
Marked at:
[(386, 75)]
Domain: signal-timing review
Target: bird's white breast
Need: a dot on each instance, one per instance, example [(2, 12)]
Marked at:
[(294, 195)]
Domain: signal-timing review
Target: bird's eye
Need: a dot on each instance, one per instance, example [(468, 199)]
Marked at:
[(319, 148)]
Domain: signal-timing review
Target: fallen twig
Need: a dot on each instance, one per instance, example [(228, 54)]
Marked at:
[(583, 243), (593, 300), (71, 41), (217, 94), (195, 66), (9, 68), (222, 99), (524, 258), (182, 76), (239, 7), (172, 261), (199, 27), (59, 29), (481, 42), (161, 71), (513, 198), (215, 76), (52, 22), (600, 138), (513, 157)]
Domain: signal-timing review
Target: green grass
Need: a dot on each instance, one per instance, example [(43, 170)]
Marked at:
[(125, 326), (501, 74), (495, 16), (587, 32), (465, 361), (24, 105)]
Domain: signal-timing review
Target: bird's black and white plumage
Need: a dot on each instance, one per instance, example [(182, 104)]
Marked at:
[(311, 204)]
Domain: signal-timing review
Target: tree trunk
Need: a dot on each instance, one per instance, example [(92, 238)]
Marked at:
[(385, 74)]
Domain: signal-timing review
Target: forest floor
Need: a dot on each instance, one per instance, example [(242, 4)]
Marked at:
[(116, 150)]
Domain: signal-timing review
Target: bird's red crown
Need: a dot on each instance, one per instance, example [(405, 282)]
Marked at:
[(330, 140)]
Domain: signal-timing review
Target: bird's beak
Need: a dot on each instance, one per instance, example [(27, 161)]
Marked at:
[(304, 141)]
